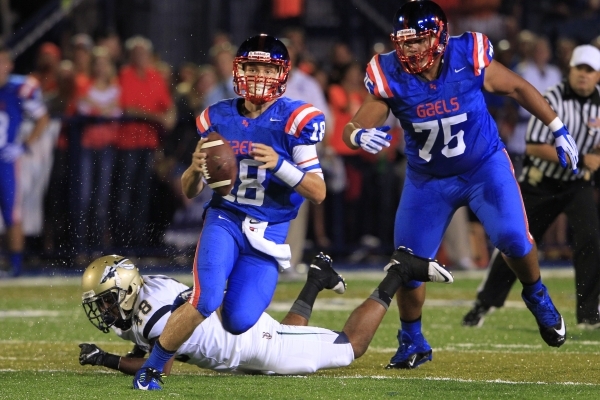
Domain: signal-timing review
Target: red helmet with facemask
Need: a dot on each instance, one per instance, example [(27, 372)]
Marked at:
[(416, 21), (261, 49)]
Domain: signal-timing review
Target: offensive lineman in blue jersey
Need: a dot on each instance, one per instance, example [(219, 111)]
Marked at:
[(20, 97), (433, 84), (242, 241)]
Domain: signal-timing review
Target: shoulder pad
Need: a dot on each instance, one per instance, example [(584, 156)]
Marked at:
[(300, 117), (375, 80), (477, 48), (203, 124)]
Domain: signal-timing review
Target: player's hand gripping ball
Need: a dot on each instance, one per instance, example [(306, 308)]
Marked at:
[(221, 168)]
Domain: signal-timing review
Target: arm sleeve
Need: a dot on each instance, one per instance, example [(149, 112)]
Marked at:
[(305, 157)]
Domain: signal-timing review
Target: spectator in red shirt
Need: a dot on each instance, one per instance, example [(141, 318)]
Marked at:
[(146, 97)]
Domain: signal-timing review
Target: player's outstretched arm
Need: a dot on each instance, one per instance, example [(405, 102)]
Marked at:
[(191, 179), (321, 275), (500, 80), (91, 354), (365, 130)]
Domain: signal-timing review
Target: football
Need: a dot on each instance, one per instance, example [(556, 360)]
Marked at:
[(221, 169)]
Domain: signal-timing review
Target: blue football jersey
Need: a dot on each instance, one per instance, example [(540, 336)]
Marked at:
[(448, 129), (284, 126), (19, 97)]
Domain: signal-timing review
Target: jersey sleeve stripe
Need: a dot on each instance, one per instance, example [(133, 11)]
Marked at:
[(480, 48), (486, 49), (292, 118), (375, 73), (158, 314), (203, 121), (307, 161), (301, 119)]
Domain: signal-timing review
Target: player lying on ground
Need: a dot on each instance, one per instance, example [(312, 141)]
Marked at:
[(136, 308)]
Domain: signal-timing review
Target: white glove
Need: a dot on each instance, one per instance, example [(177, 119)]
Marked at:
[(12, 151), (564, 143), (372, 140)]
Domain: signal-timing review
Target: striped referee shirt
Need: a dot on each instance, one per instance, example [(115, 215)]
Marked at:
[(580, 115)]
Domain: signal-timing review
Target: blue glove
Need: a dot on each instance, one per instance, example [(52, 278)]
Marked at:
[(372, 140), (12, 151), (564, 143)]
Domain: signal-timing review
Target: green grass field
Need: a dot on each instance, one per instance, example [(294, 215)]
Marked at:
[(42, 322)]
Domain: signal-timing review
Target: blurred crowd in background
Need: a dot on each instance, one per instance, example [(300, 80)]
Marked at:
[(123, 82)]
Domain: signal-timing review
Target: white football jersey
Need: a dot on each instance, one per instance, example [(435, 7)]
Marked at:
[(268, 347), (151, 309)]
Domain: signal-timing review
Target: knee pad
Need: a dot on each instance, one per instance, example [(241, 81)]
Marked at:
[(237, 322), (207, 303), (515, 245)]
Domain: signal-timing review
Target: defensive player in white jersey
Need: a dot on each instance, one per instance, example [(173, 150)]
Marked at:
[(115, 296), (242, 245), (434, 85)]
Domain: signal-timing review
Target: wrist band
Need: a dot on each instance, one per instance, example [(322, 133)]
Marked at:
[(555, 125), (353, 137), (111, 361), (288, 173)]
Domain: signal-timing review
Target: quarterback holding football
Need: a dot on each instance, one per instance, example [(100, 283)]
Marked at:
[(242, 244)]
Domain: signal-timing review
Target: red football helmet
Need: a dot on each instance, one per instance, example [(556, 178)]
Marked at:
[(261, 49), (415, 21)]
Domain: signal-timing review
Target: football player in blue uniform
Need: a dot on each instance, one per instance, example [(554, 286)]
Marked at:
[(433, 84), (242, 242), (20, 97)]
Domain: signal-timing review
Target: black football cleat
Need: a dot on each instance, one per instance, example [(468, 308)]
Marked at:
[(322, 273), (476, 315), (411, 267)]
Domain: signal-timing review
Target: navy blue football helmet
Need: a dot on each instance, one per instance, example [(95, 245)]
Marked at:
[(414, 22), (257, 88)]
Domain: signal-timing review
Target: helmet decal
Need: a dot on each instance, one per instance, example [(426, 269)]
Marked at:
[(259, 56), (125, 263), (110, 272)]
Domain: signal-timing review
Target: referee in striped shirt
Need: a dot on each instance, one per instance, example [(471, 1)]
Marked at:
[(548, 190)]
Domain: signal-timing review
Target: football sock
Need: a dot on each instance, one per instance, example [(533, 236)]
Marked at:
[(411, 327), (530, 289), (158, 357), (306, 299), (16, 261)]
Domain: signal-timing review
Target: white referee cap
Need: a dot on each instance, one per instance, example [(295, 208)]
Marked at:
[(586, 54)]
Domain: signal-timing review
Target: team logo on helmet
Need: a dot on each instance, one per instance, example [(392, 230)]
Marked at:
[(110, 272)]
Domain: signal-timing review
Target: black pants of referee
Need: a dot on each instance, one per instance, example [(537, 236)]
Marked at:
[(543, 203)]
